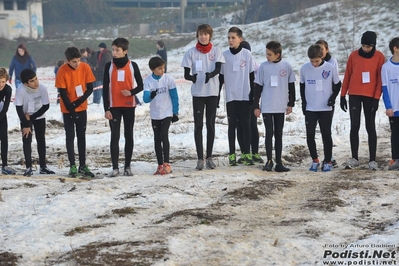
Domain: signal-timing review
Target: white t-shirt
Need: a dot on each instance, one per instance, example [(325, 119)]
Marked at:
[(200, 63), (318, 85), (161, 106), (236, 75), (31, 100), (334, 62), (390, 78), (274, 78)]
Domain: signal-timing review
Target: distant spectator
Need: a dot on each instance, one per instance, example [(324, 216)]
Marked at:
[(92, 57), (21, 60), (59, 64), (104, 56), (84, 57), (162, 52)]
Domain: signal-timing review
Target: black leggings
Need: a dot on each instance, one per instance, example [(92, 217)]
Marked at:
[(254, 137), (238, 113), (40, 133), (4, 140), (161, 139), (80, 120), (394, 124), (128, 115), (274, 124), (325, 119), (355, 107), (209, 104)]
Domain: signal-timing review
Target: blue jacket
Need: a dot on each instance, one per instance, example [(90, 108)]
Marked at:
[(18, 66)]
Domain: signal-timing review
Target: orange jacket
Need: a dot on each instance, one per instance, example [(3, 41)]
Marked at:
[(355, 67)]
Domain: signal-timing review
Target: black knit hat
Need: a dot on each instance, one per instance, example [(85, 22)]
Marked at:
[(102, 45), (369, 38), (27, 74)]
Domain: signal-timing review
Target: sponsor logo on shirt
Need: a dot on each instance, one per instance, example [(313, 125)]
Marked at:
[(243, 63), (325, 74), (311, 81), (283, 73), (162, 90), (211, 57)]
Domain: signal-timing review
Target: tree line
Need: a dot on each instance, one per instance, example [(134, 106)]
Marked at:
[(97, 11)]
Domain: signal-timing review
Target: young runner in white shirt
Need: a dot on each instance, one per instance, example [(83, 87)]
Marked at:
[(160, 91), (202, 65), (32, 101), (237, 74), (275, 87), (319, 87)]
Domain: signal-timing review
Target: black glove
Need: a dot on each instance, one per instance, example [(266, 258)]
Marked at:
[(331, 100), (153, 94), (208, 76), (344, 104), (70, 107), (175, 118), (374, 105), (193, 78)]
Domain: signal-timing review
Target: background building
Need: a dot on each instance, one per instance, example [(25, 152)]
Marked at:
[(21, 18)]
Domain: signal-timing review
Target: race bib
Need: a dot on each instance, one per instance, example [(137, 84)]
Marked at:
[(79, 90), (121, 75), (198, 65), (366, 77), (273, 81)]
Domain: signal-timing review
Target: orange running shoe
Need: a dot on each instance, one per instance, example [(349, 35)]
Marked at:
[(167, 168), (160, 170)]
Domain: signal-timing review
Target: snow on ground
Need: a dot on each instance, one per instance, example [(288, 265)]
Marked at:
[(225, 216)]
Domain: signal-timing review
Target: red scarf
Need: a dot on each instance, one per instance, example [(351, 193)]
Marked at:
[(101, 55), (203, 48)]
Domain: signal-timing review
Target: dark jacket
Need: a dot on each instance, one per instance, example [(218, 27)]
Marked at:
[(103, 58), (17, 66), (163, 55)]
